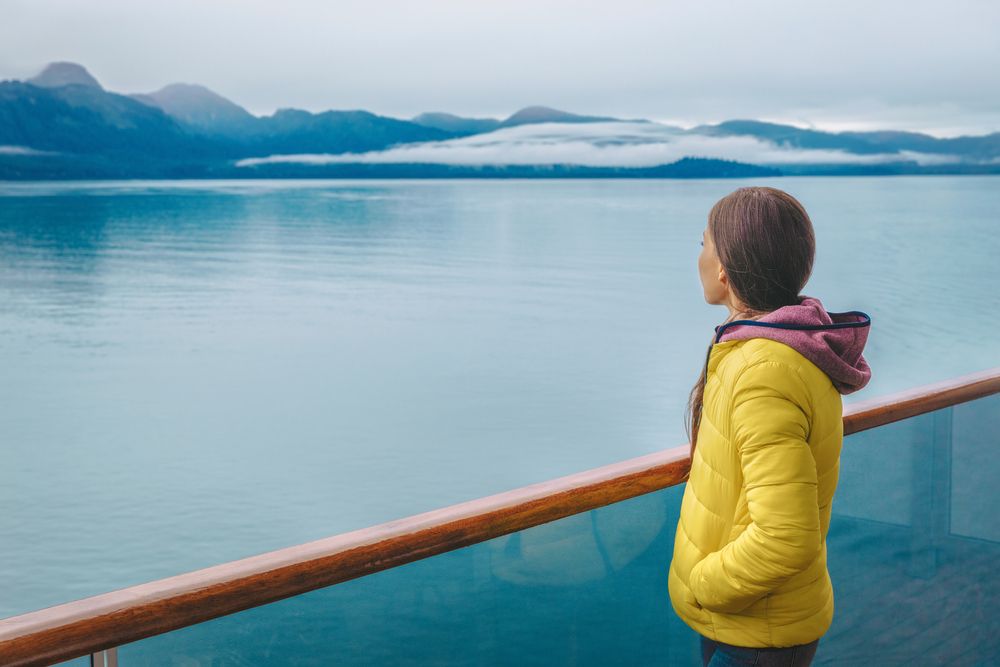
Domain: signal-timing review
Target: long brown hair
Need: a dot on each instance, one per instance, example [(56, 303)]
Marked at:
[(765, 242)]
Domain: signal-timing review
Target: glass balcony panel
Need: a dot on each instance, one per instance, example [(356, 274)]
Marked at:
[(914, 547), (587, 589), (914, 564)]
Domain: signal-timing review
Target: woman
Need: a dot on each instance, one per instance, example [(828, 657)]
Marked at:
[(749, 571)]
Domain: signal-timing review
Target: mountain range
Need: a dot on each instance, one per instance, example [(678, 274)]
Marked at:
[(63, 124)]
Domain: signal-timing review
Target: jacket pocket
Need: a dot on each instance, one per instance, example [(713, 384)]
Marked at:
[(690, 599)]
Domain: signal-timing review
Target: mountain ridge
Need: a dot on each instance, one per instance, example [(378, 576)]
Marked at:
[(61, 73), (65, 113)]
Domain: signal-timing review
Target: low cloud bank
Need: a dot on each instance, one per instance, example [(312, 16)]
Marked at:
[(22, 150), (613, 144)]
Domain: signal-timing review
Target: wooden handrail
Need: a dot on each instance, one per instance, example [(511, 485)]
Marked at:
[(86, 626), (875, 412)]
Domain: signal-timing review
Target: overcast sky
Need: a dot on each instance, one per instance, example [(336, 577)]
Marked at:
[(925, 66)]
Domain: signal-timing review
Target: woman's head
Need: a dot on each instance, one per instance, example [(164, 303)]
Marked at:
[(757, 255), (758, 251)]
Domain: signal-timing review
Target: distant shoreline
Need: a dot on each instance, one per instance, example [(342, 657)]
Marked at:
[(80, 168)]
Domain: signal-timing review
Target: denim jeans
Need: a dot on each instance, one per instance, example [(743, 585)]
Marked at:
[(718, 654)]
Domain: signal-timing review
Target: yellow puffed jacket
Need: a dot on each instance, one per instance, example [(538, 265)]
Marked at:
[(749, 566)]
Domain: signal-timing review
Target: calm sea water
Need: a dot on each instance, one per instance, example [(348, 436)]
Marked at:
[(200, 371)]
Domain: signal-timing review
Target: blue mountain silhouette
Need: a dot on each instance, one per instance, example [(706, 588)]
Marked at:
[(63, 124)]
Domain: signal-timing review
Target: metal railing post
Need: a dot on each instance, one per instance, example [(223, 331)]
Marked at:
[(106, 658)]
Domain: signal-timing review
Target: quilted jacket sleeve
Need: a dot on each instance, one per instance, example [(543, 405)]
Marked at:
[(769, 429)]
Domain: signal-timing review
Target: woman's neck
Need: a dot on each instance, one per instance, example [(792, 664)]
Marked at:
[(736, 313)]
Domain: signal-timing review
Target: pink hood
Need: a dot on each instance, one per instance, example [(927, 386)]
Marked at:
[(832, 341)]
